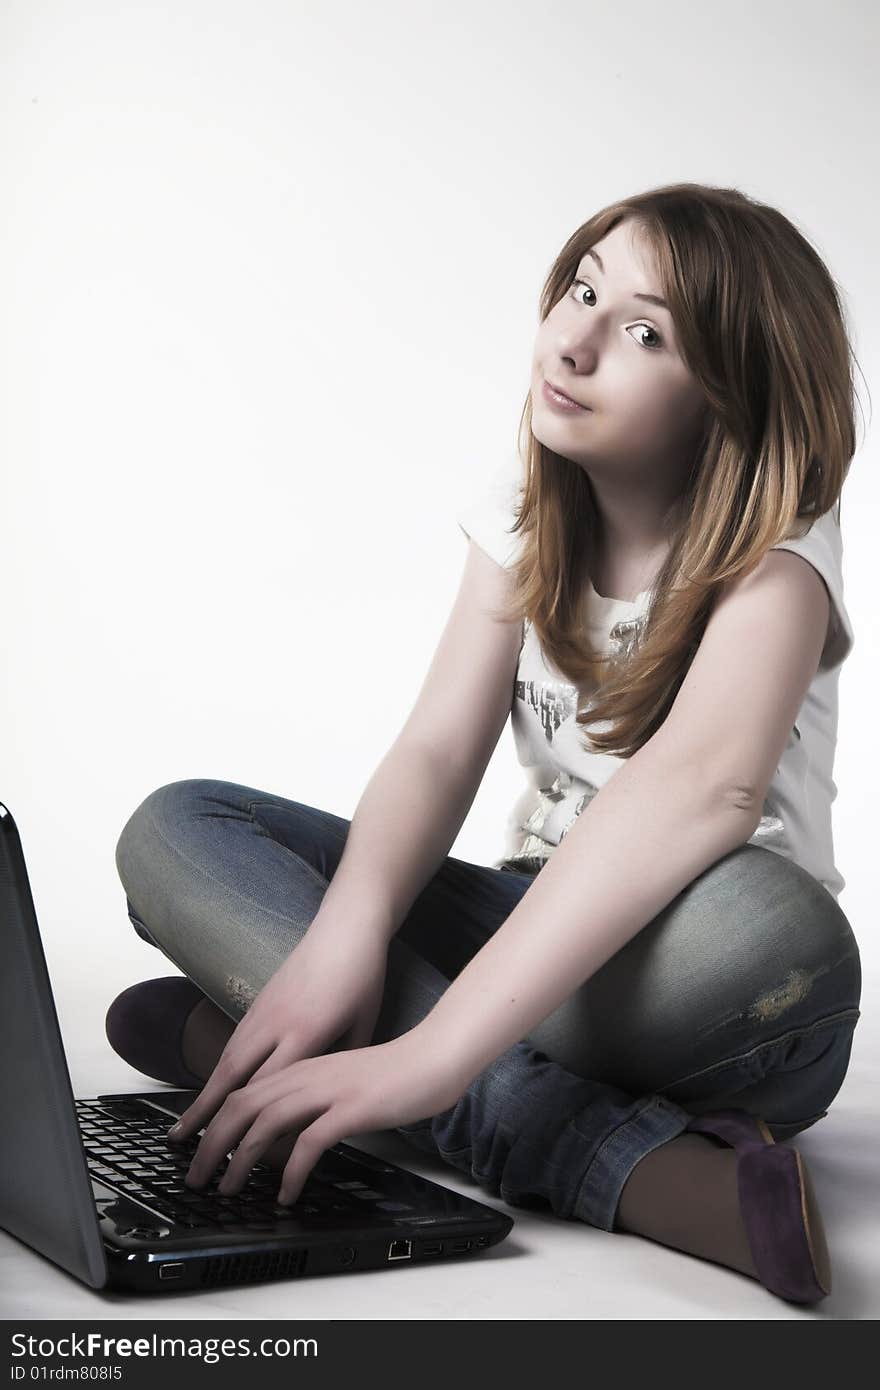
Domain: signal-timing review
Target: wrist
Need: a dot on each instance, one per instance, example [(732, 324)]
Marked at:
[(336, 922), (437, 1054)]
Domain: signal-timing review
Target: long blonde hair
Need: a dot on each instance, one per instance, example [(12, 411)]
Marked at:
[(760, 325)]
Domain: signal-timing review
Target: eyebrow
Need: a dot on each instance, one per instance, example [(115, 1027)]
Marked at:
[(650, 298)]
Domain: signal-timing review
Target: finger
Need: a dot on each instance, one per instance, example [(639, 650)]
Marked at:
[(282, 1120), (232, 1120), (286, 1053), (234, 1068), (238, 1111), (314, 1141)]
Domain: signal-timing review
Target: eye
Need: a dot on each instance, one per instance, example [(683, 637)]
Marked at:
[(653, 347)]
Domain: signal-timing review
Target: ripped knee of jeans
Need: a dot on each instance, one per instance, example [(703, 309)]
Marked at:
[(240, 993), (775, 1002)]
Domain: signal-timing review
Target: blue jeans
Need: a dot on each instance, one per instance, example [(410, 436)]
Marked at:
[(743, 991)]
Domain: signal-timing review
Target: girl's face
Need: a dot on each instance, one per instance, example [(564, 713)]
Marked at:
[(617, 355)]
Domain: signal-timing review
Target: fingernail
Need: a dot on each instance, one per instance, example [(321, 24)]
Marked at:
[(175, 1129)]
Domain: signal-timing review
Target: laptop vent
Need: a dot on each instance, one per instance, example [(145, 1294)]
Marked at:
[(247, 1269)]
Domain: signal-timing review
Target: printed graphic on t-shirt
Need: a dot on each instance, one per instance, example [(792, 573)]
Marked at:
[(549, 799), (552, 701)]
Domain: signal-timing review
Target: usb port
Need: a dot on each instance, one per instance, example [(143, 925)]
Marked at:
[(432, 1247), (460, 1245), (171, 1271)]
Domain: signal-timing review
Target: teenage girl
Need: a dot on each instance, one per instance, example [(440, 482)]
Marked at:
[(625, 1017)]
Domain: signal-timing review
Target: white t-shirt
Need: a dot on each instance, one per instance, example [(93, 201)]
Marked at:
[(563, 776)]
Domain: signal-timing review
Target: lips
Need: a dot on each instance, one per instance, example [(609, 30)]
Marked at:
[(564, 394)]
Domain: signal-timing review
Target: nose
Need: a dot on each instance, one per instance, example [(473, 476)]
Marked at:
[(577, 346)]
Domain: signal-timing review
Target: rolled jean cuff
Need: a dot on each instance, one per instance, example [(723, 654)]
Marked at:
[(656, 1122)]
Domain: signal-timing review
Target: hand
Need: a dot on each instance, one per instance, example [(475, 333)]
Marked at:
[(329, 988), (323, 1100)]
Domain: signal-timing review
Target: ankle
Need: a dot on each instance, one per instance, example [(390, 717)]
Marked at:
[(685, 1194), (205, 1034)]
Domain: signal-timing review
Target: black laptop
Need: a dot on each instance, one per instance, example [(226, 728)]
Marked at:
[(94, 1185)]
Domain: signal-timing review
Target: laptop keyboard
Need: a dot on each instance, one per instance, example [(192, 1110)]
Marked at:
[(127, 1147)]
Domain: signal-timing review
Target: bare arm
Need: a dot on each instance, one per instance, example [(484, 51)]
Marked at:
[(403, 827), (652, 829), (415, 803)]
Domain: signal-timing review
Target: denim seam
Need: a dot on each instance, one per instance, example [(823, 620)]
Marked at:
[(319, 879), (830, 1022), (182, 968), (803, 1123)]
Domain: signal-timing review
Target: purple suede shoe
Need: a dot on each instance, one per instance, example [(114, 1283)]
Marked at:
[(145, 1023), (778, 1205)]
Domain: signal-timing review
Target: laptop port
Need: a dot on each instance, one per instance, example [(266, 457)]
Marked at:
[(171, 1270), (400, 1250), (432, 1247), (460, 1245), (481, 1242)]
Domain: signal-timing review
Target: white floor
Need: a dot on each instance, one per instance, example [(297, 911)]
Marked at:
[(545, 1269)]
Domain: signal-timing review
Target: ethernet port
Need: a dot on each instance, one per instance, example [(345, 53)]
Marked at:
[(400, 1250)]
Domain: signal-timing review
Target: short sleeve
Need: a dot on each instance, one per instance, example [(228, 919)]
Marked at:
[(822, 547), (487, 516)]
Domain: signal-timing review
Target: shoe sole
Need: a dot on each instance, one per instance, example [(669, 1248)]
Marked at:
[(813, 1225), (815, 1230)]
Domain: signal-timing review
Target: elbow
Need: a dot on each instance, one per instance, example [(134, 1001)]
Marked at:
[(746, 799)]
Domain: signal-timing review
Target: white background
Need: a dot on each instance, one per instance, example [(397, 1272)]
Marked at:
[(270, 277)]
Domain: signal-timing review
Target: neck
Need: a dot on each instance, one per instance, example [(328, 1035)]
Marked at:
[(633, 539)]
